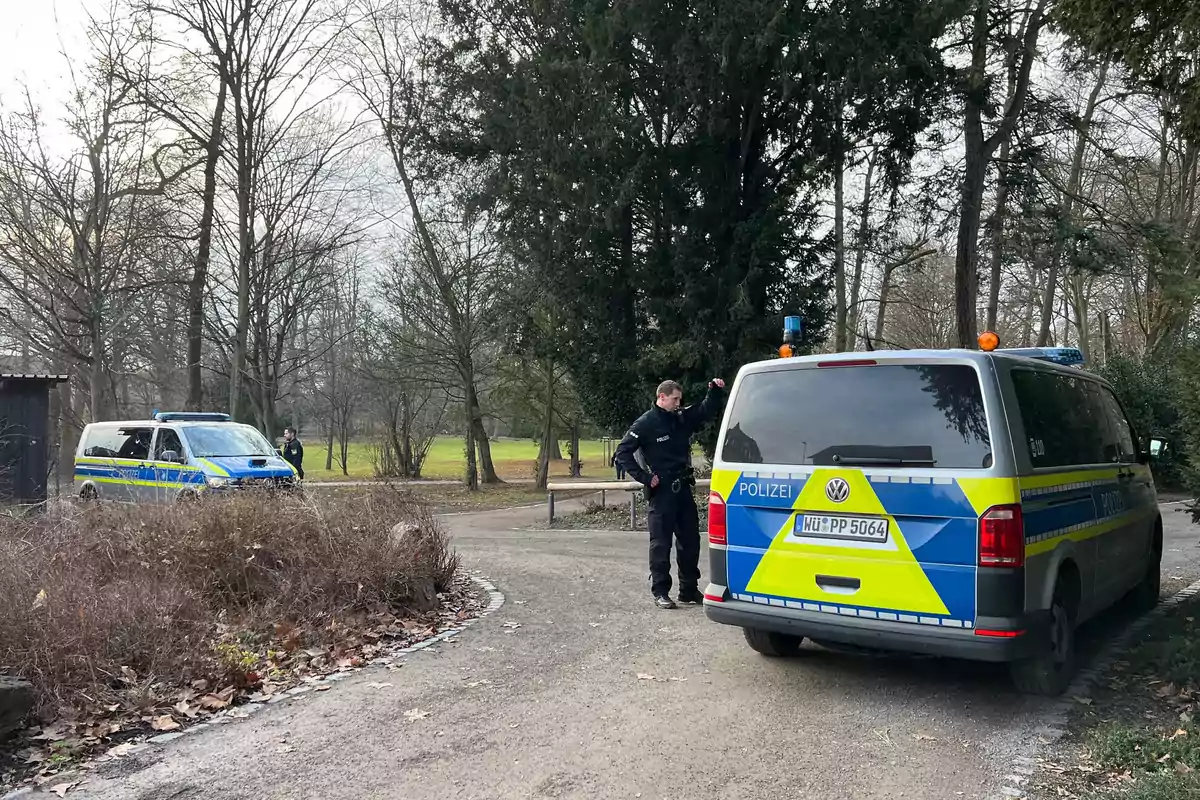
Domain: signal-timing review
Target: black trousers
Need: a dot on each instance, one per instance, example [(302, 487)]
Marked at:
[(673, 514)]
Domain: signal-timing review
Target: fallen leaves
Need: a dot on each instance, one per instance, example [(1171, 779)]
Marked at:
[(139, 705), (61, 789), (165, 723)]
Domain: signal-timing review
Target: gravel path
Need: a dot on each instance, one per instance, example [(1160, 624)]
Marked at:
[(550, 697)]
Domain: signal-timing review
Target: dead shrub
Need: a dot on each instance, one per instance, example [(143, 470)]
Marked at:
[(96, 600)]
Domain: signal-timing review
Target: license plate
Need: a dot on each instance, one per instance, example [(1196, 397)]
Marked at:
[(860, 529)]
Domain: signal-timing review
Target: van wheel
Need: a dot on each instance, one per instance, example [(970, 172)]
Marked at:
[(1144, 596), (769, 643), (88, 494), (1049, 672)]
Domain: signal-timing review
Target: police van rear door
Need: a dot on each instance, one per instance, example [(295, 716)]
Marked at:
[(855, 487)]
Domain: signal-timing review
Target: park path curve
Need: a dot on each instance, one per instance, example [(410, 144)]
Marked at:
[(548, 698)]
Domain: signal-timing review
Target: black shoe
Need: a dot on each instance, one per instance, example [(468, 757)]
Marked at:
[(662, 601), (692, 598)]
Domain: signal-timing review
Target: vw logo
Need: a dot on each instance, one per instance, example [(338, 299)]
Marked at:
[(837, 490)]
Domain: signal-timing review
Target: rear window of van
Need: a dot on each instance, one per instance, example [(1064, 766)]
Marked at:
[(887, 415)]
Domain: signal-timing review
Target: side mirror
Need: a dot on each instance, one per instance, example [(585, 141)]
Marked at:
[(1156, 447), (171, 456)]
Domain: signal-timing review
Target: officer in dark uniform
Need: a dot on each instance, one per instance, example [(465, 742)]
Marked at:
[(293, 451), (664, 436)]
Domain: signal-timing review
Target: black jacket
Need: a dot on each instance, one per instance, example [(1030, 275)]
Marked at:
[(665, 439), (293, 453)]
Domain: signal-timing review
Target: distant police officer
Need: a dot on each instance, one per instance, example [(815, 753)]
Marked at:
[(293, 451), (663, 435)]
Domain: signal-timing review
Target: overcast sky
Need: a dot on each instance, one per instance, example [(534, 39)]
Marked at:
[(32, 43)]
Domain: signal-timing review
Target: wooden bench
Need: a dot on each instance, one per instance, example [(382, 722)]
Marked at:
[(604, 487)]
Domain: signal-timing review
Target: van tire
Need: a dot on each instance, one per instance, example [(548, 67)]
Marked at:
[(1050, 671), (1145, 595), (775, 645), (88, 494)]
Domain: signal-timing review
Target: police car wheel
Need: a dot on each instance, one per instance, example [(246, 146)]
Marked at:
[(88, 493), (1050, 671), (769, 643)]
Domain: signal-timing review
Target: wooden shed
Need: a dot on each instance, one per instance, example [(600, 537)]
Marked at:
[(26, 434)]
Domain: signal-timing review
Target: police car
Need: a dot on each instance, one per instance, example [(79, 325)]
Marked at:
[(174, 456), (971, 504)]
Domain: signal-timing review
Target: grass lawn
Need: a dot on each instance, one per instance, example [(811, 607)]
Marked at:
[(448, 499), (515, 459)]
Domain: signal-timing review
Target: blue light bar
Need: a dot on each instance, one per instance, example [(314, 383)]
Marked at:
[(1067, 356), (792, 324), (190, 416)]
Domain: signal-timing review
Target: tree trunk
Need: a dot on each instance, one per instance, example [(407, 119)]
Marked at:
[(839, 240), (885, 288), (543, 466), (1074, 181), (1031, 302), (978, 152), (97, 408), (966, 262), (329, 440), (996, 226), (996, 223), (1079, 297), (195, 300), (486, 467), (344, 440), (576, 469), (472, 477), (859, 257)]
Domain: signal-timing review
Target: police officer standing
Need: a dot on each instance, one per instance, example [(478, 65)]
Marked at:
[(664, 436), (293, 451)]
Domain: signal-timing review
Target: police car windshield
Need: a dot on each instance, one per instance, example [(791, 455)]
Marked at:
[(225, 440), (885, 415)]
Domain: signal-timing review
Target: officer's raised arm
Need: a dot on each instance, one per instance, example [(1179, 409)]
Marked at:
[(695, 416), (628, 446)]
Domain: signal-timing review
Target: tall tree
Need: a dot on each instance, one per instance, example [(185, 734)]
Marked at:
[(659, 164), (980, 146)]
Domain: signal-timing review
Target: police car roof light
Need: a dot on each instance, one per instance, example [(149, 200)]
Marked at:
[(191, 416), (1067, 356), (792, 324)]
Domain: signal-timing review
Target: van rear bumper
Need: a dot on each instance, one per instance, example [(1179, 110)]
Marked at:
[(886, 635)]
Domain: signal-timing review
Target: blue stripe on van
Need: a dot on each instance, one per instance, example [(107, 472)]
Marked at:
[(941, 541), (955, 584), (924, 499)]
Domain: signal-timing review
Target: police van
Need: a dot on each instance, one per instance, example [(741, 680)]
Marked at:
[(175, 456), (961, 503)]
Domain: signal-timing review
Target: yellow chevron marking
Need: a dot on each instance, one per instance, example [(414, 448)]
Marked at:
[(983, 493), (890, 576), (723, 481)]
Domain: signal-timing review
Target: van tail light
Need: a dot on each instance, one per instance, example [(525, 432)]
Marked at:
[(1002, 537), (718, 532)]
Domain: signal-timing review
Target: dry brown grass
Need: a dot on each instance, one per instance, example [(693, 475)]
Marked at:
[(98, 601)]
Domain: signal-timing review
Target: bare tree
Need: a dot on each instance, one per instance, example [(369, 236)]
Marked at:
[(450, 261), (269, 57), (980, 146), (79, 230)]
